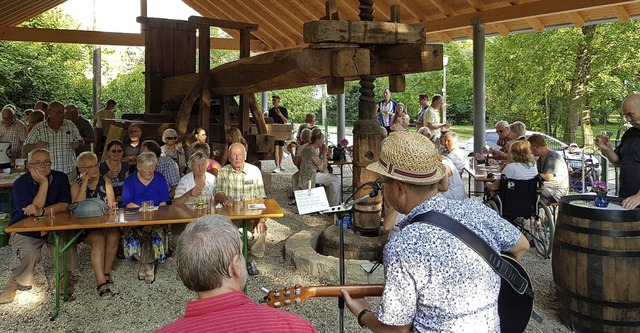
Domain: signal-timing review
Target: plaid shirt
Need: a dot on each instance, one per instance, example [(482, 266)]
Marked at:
[(241, 185), (16, 134), (58, 144), (169, 169)]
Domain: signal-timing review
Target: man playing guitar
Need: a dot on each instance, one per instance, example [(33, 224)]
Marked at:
[(434, 282)]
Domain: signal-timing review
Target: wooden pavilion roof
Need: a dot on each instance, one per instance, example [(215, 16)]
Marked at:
[(280, 21)]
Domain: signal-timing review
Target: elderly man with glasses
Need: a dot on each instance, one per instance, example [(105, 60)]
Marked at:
[(39, 192), (13, 131)]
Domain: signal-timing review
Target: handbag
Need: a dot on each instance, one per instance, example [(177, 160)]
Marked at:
[(92, 207), (339, 153)]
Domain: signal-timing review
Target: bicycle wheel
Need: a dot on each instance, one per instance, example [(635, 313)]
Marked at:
[(543, 229), (492, 204)]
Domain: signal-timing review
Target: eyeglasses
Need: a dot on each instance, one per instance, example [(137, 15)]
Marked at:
[(500, 131), (41, 164), (116, 151), (172, 138)]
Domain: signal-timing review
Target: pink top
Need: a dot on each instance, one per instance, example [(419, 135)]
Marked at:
[(212, 166)]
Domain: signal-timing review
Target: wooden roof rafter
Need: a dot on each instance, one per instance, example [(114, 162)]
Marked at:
[(28, 10), (289, 24), (477, 5), (272, 24), (576, 19), (623, 14), (443, 7), (536, 24)]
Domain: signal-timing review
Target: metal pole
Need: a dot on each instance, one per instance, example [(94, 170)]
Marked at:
[(263, 100), (324, 115), (479, 105), (341, 117), (445, 62)]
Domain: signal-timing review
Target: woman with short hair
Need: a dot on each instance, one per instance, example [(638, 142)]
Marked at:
[(521, 164), (103, 242), (171, 149), (147, 244), (213, 166), (197, 185), (113, 168)]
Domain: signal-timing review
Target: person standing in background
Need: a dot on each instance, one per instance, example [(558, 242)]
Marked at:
[(280, 115), (83, 125), (12, 131), (423, 99)]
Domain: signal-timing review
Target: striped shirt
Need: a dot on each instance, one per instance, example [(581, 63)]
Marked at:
[(241, 185), (58, 143), (235, 312), (16, 133)]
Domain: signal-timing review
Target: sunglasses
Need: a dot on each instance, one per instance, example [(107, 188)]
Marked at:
[(172, 138), (116, 151)]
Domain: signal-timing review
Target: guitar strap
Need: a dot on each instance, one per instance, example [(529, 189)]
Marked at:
[(499, 265)]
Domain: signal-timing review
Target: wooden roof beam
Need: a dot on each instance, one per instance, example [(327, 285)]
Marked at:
[(26, 11), (102, 38), (477, 5), (521, 11), (272, 25), (502, 28), (536, 24), (623, 14), (443, 7), (290, 24), (412, 9), (576, 19), (213, 22)]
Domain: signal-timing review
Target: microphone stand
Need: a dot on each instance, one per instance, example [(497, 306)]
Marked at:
[(345, 207)]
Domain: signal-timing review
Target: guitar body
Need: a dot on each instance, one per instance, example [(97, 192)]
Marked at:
[(514, 308)]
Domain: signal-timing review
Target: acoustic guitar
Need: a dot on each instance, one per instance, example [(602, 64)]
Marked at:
[(514, 308)]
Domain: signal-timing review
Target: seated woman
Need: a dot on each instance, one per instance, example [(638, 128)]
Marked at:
[(114, 169), (232, 135), (521, 164), (199, 135), (147, 244), (103, 242), (198, 185), (313, 168), (212, 165), (171, 150)]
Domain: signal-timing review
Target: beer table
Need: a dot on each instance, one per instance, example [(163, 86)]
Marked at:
[(243, 211), (480, 172)]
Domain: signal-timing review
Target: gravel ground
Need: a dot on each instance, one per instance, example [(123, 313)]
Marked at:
[(144, 308)]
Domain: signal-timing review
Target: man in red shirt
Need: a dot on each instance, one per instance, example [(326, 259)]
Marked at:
[(210, 262)]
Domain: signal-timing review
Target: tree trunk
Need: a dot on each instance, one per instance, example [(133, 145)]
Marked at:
[(584, 58)]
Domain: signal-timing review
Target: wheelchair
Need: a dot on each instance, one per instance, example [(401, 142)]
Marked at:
[(518, 201)]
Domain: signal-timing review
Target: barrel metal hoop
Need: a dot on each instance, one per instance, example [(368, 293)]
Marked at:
[(599, 232), (618, 305), (586, 318), (590, 213), (606, 253)]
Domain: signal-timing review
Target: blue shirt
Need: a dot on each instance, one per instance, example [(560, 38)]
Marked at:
[(25, 189), (133, 191)]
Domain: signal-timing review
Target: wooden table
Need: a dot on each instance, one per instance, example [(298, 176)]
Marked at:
[(341, 165), (172, 214), (6, 184), (479, 172)]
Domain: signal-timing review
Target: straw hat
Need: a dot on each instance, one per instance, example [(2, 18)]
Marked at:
[(410, 158)]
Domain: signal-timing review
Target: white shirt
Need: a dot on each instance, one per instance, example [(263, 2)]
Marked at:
[(188, 182), (456, 187), (520, 171)]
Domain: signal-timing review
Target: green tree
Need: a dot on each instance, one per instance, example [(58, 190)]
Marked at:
[(128, 90)]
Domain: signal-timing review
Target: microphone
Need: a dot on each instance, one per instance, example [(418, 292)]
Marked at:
[(347, 205)]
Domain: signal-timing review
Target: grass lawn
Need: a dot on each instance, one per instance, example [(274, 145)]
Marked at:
[(466, 131)]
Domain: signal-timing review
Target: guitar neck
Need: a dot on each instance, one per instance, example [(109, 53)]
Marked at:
[(360, 290)]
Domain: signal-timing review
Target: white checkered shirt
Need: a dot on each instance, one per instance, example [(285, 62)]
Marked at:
[(59, 144)]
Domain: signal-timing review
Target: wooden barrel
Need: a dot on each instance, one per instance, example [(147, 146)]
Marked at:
[(596, 266)]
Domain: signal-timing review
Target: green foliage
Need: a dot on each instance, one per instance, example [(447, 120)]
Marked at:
[(128, 90), (299, 102)]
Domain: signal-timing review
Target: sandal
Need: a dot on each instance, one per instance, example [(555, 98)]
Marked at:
[(141, 272), (104, 293), (110, 283)]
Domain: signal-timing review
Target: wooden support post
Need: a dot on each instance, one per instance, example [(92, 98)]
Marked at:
[(395, 14), (335, 85), (204, 67), (245, 51), (397, 83)]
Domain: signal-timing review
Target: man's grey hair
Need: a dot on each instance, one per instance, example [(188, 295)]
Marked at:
[(205, 251), (147, 159), (502, 123), (238, 144), (36, 151)]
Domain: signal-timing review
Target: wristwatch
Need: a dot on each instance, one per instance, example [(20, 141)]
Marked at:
[(42, 211), (360, 315)]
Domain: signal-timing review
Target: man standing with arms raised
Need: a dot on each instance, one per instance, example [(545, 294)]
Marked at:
[(280, 115), (434, 282)]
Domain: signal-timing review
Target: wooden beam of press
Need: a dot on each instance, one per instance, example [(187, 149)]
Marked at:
[(406, 59), (518, 11), (363, 32)]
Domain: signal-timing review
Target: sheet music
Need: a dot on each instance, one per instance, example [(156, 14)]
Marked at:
[(311, 201)]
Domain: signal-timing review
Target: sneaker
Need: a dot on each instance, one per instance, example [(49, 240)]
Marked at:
[(276, 170), (281, 167), (292, 201), (252, 269)]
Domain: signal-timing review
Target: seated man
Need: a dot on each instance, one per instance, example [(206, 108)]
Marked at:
[(552, 169), (166, 166), (452, 151), (239, 181), (210, 263), (32, 197), (502, 128)]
